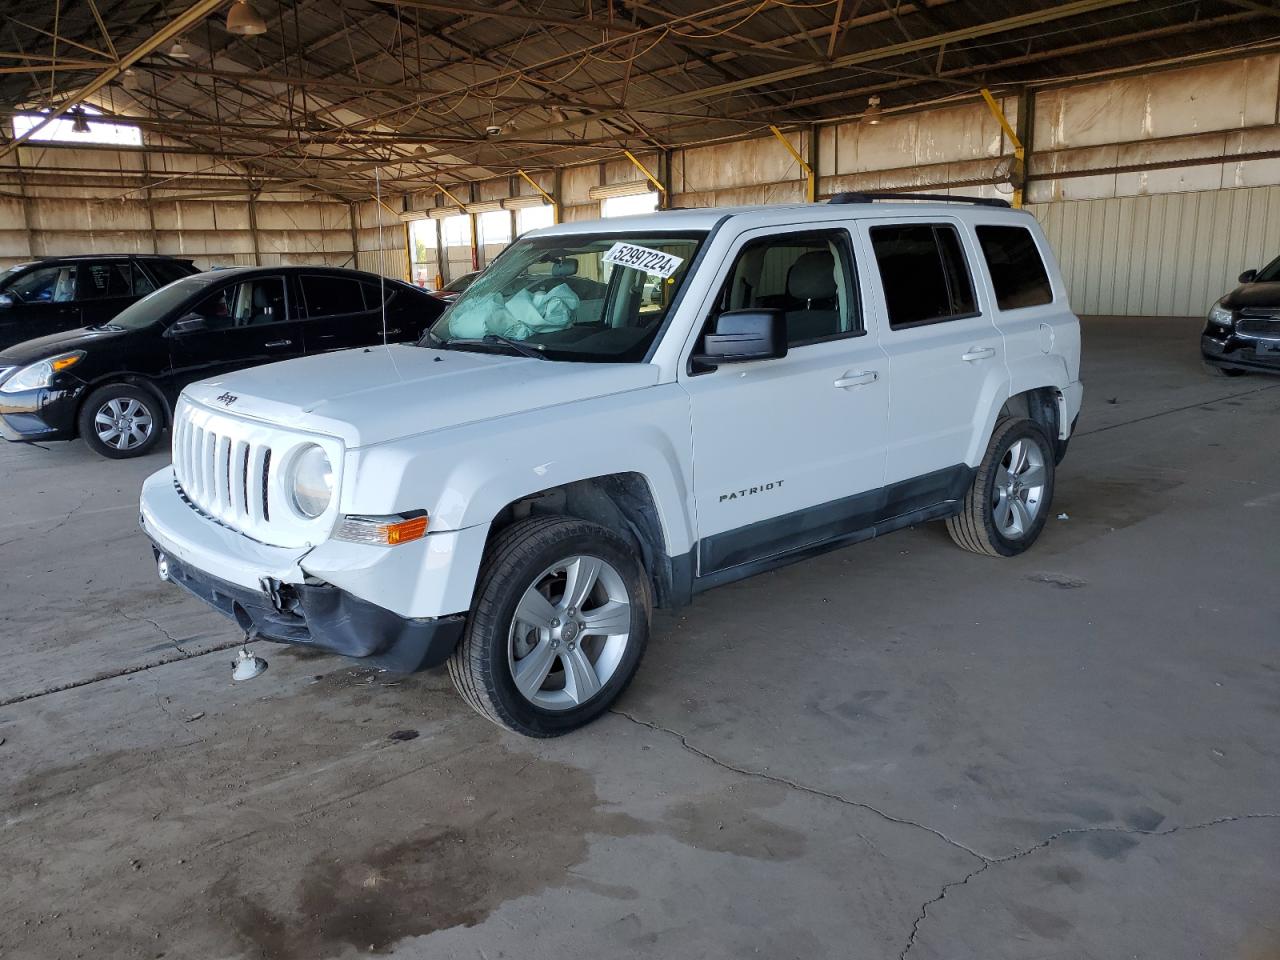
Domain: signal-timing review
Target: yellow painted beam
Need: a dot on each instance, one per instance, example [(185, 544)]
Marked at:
[(811, 186), (449, 195), (657, 185), (1018, 153), (555, 207)]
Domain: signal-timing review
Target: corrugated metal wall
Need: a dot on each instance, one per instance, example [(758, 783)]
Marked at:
[(382, 239), (1171, 254)]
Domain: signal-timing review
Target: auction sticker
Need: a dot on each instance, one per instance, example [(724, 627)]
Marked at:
[(653, 262)]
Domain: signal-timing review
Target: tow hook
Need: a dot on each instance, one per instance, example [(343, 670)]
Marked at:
[(162, 566), (284, 598)]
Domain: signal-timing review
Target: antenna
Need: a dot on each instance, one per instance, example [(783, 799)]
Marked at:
[(382, 273)]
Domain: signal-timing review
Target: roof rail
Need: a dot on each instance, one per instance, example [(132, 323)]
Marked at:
[(858, 197)]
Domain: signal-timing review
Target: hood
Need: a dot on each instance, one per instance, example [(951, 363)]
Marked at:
[(1254, 296), (41, 348), (376, 394)]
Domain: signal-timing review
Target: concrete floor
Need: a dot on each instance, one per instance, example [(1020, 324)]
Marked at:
[(897, 749)]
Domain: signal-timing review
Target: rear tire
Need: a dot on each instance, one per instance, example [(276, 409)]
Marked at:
[(119, 421), (557, 628), (1011, 494)]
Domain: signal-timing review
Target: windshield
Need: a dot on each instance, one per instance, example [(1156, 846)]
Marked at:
[(157, 304), (588, 297), (1270, 273)]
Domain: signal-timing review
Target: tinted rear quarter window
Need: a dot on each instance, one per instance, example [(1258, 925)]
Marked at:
[(374, 294), (165, 271), (923, 273), (330, 296), (1018, 275)]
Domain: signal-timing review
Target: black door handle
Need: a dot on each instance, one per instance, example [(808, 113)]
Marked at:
[(279, 343)]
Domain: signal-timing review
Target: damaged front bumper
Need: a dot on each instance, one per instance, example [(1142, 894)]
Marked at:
[(265, 590), (322, 617)]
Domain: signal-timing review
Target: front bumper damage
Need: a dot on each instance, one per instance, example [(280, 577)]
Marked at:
[(269, 595), (322, 617)]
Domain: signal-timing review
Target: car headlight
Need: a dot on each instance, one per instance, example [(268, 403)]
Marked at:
[(311, 481), (36, 376), (1220, 315)]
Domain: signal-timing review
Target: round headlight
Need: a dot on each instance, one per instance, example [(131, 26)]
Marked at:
[(312, 481)]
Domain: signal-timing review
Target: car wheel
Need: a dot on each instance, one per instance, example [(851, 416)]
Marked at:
[(1213, 370), (557, 628), (1011, 494), (120, 421)]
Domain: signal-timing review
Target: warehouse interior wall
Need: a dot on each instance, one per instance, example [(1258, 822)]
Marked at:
[(60, 200), (1155, 188)]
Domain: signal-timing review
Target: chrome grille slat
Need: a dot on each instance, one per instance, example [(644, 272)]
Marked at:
[(254, 482), (239, 478), (206, 467), (221, 475)]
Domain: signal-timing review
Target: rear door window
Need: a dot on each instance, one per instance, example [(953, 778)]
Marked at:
[(1018, 275), (923, 273), (142, 282), (106, 279), (332, 296)]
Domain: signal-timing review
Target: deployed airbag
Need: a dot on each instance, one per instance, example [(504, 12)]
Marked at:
[(518, 316)]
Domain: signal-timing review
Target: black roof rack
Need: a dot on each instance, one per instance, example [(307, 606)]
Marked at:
[(857, 197)]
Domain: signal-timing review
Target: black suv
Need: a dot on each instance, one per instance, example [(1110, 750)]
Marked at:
[(114, 384), (62, 293), (1243, 329)]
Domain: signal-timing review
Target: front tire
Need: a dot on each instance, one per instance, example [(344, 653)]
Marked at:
[(1011, 494), (557, 628), (120, 421)]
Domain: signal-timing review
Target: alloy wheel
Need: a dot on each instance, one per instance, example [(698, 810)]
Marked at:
[(569, 633), (1018, 492), (123, 423)]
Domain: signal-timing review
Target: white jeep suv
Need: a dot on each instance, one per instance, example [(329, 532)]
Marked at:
[(621, 414)]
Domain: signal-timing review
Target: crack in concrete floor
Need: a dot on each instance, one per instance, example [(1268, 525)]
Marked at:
[(987, 861), (795, 785), (114, 674)]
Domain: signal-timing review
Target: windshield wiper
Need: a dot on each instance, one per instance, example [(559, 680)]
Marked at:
[(490, 338)]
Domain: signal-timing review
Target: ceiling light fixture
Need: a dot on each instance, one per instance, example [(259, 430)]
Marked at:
[(244, 21), (873, 114), (79, 123), (131, 81), (178, 51)]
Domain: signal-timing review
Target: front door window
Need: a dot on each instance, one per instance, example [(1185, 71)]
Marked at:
[(45, 285)]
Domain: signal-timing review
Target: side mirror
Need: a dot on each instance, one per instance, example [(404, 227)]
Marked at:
[(6, 301), (1248, 276), (191, 323), (741, 336)]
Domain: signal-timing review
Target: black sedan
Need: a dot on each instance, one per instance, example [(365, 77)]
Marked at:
[(64, 293), (1243, 330), (115, 384)]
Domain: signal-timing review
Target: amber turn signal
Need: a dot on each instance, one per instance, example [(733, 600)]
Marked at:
[(385, 531)]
